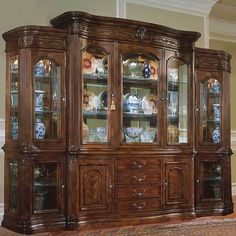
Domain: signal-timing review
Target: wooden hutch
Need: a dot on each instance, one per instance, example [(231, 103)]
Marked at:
[(113, 122)]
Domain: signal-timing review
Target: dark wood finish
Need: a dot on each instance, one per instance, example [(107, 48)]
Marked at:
[(91, 184)]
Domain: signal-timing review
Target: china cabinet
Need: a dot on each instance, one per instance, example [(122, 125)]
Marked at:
[(113, 122)]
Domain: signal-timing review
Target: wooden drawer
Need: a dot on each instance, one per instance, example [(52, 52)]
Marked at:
[(134, 177), (138, 206), (144, 164), (137, 192)]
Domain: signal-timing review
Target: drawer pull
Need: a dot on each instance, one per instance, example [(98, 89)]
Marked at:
[(139, 194), (139, 179), (138, 165), (139, 207)]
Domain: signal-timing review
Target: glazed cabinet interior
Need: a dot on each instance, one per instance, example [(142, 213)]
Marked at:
[(109, 126)]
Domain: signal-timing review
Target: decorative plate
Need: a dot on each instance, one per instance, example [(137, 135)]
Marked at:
[(87, 63), (103, 100)]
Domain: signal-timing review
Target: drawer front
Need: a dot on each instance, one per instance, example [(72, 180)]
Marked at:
[(134, 177), (139, 164), (136, 192), (138, 206)]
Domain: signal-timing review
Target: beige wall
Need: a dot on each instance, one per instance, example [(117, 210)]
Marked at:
[(171, 19), (230, 47)]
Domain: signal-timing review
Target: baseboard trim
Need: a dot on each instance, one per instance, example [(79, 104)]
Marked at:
[(1, 212)]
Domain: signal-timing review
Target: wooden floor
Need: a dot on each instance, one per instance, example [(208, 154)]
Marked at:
[(5, 232)]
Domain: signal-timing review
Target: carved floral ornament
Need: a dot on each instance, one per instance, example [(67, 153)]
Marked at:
[(25, 41), (142, 33)]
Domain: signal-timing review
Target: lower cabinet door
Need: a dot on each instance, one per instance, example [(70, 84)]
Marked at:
[(95, 186), (48, 186), (177, 184)]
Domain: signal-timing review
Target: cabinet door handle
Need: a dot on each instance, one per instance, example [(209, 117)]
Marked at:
[(139, 207), (139, 179), (139, 193), (110, 185)]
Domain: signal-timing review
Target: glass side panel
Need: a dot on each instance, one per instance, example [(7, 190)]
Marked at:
[(47, 100), (177, 109), (210, 119), (13, 174), (14, 89), (46, 187), (212, 180), (95, 100), (140, 98)]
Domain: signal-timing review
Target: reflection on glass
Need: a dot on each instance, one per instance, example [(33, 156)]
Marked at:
[(13, 173), (14, 96), (45, 187), (140, 98), (47, 100), (177, 109), (210, 109), (212, 180), (95, 100)]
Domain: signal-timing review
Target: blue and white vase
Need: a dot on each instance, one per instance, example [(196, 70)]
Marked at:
[(40, 129), (146, 70), (39, 68), (14, 128), (216, 135)]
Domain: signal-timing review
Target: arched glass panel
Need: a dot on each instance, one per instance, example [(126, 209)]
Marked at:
[(47, 100), (210, 110), (140, 98), (177, 109), (95, 100), (14, 95)]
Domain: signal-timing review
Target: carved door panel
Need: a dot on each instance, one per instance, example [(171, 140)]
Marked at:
[(176, 183), (95, 186)]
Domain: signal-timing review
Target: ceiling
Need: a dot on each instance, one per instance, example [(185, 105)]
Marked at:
[(225, 10)]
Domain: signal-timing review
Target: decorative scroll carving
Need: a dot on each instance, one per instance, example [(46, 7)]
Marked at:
[(25, 41), (72, 221), (27, 148), (212, 62), (142, 33), (75, 27), (73, 154), (226, 151)]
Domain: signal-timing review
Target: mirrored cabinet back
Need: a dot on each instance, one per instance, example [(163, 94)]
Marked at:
[(113, 122)]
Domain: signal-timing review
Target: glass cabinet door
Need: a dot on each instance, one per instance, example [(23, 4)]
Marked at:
[(140, 98), (95, 96), (210, 110), (14, 95), (177, 96), (13, 180), (46, 187), (47, 100), (212, 179)]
